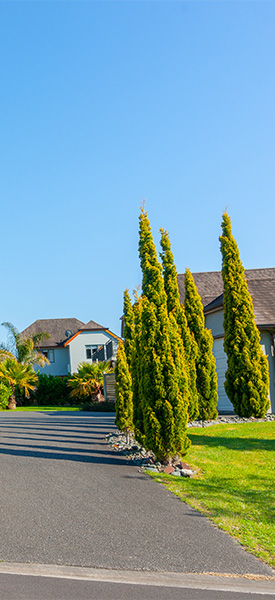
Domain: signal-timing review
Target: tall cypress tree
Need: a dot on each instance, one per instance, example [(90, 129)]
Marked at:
[(124, 394), (163, 394), (128, 327), (247, 378), (207, 382), (175, 307)]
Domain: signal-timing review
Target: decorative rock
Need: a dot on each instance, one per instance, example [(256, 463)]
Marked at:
[(168, 470), (183, 465), (187, 473), (177, 473)]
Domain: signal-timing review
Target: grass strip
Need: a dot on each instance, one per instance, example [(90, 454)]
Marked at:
[(32, 408), (235, 482)]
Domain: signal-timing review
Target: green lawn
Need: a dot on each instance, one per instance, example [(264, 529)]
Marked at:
[(235, 482), (32, 408)]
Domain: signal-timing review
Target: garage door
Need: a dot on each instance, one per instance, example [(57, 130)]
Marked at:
[(224, 403)]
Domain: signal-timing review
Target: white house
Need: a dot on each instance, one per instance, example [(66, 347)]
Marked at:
[(261, 284), (72, 342)]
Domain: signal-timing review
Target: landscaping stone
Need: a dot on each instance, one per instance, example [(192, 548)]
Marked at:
[(187, 472), (168, 470)]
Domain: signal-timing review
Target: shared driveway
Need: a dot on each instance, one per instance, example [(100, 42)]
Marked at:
[(66, 498)]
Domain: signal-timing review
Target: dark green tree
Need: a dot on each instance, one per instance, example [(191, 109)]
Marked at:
[(207, 382), (175, 307), (247, 378), (124, 394), (163, 386)]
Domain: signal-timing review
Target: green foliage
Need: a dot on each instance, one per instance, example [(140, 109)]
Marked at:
[(128, 327), (177, 309), (207, 383), (52, 391), (247, 375), (124, 394), (5, 394), (136, 366), (162, 389), (23, 349), (16, 375)]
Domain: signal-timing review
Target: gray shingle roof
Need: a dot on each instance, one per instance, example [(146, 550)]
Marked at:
[(93, 325), (57, 328), (261, 285)]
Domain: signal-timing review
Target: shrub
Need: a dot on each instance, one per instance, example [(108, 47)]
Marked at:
[(51, 391), (5, 393), (98, 406)]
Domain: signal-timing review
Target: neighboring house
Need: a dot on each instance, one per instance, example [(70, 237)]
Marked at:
[(72, 342), (261, 285)]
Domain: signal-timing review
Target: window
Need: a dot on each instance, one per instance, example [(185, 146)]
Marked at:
[(90, 350), (49, 355)]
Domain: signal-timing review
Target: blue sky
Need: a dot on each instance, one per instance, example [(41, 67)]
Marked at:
[(105, 104)]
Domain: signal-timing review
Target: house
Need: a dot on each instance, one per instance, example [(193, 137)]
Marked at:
[(261, 285), (71, 342)]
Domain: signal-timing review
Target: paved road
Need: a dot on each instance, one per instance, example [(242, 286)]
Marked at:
[(52, 582), (43, 588), (67, 499)]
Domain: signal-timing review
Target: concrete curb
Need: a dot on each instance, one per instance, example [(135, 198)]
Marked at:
[(203, 581)]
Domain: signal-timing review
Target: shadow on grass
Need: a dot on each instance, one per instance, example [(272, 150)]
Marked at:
[(233, 443), (227, 497)]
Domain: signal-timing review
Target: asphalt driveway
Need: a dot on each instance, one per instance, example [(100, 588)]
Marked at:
[(67, 499)]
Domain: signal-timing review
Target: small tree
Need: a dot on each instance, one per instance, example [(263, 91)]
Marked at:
[(124, 394), (207, 382), (175, 307), (24, 350), (14, 374), (87, 383), (247, 378)]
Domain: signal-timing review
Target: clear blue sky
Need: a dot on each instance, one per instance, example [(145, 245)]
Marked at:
[(104, 104)]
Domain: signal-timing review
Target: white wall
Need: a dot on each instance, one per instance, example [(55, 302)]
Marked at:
[(85, 338)]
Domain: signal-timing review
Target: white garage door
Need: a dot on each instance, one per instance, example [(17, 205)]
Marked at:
[(224, 403)]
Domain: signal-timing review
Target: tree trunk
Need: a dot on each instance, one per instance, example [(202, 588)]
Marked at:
[(127, 436), (12, 401), (98, 397)]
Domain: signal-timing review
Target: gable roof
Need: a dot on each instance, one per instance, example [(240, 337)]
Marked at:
[(261, 285), (56, 328), (92, 325)]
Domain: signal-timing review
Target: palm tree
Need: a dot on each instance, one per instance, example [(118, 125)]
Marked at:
[(88, 381), (14, 373), (24, 350)]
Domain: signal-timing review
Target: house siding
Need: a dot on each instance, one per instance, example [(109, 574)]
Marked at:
[(60, 365)]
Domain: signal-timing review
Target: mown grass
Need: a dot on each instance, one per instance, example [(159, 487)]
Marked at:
[(235, 482), (32, 408)]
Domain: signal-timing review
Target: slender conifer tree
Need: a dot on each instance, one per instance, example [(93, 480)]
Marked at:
[(175, 307), (247, 378), (124, 394), (207, 383), (163, 389), (128, 327)]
